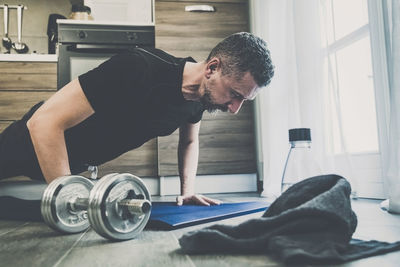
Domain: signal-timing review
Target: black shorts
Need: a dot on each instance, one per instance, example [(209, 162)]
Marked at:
[(17, 155)]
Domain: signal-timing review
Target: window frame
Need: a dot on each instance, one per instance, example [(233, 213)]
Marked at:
[(371, 165), (380, 54)]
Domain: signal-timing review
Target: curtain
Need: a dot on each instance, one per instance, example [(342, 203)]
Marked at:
[(393, 47), (301, 91)]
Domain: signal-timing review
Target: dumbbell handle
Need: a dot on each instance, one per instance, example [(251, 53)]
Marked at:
[(79, 204), (134, 206)]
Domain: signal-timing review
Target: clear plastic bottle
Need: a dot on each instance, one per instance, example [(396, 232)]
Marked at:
[(300, 162)]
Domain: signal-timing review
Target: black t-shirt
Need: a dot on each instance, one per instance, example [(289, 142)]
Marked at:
[(136, 96)]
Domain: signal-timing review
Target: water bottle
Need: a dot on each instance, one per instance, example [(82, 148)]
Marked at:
[(300, 162)]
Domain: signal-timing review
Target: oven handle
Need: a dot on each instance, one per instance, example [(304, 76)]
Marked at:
[(96, 48)]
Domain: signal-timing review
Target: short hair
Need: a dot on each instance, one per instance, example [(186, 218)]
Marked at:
[(242, 52)]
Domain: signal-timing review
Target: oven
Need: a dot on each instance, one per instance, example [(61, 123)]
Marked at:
[(83, 45)]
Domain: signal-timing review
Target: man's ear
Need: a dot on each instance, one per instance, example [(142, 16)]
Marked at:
[(213, 65)]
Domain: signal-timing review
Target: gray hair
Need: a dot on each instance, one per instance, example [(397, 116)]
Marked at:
[(242, 52)]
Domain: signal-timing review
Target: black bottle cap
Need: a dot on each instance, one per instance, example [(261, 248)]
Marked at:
[(81, 8), (299, 134)]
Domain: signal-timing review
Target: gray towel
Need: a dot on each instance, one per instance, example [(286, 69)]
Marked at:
[(310, 223)]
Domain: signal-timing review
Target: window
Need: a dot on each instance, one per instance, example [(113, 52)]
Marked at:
[(347, 41), (353, 88)]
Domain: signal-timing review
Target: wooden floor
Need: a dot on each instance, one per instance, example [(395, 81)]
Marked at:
[(34, 244)]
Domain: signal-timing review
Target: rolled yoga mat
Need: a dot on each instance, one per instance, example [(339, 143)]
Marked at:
[(20, 200)]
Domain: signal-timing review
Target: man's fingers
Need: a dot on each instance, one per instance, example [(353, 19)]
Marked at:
[(196, 199), (212, 201), (179, 200), (199, 200)]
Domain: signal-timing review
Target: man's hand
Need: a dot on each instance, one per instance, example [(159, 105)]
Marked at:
[(197, 200)]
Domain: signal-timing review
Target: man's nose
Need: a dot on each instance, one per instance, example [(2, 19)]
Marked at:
[(235, 105)]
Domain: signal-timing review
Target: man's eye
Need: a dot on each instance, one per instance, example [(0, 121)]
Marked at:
[(235, 95)]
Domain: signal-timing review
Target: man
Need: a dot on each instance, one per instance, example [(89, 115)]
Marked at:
[(130, 99)]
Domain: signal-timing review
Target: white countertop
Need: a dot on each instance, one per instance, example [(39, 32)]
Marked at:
[(29, 57), (104, 22)]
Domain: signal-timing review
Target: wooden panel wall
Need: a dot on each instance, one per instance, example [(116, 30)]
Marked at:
[(141, 162), (224, 149), (30, 76), (196, 33), (23, 84), (226, 140)]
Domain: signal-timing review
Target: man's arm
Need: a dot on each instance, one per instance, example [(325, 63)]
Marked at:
[(65, 109), (188, 155)]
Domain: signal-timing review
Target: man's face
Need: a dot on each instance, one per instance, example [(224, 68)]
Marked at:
[(225, 93)]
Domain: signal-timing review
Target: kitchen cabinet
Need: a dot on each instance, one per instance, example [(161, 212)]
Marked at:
[(141, 161), (183, 33), (23, 84), (226, 140)]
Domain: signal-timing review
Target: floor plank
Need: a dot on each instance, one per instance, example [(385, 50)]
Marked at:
[(151, 248), (35, 244), (8, 226)]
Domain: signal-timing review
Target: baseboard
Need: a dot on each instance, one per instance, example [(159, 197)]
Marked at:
[(207, 184)]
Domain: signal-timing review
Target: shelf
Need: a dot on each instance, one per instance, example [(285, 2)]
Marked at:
[(29, 57)]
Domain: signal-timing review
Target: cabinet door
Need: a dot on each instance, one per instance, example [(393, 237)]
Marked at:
[(226, 140), (141, 161), (28, 76), (226, 145), (23, 84), (183, 33)]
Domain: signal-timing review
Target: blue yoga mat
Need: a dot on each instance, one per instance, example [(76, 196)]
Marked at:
[(167, 215), (164, 215)]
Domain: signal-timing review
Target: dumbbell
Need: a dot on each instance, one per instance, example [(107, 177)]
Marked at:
[(117, 206)]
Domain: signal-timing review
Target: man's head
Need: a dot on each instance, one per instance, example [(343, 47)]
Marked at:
[(236, 69)]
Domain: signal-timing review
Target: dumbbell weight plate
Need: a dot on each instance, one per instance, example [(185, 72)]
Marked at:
[(98, 229), (104, 212), (55, 208)]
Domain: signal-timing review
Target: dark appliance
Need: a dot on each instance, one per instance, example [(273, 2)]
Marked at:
[(52, 32), (83, 45)]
